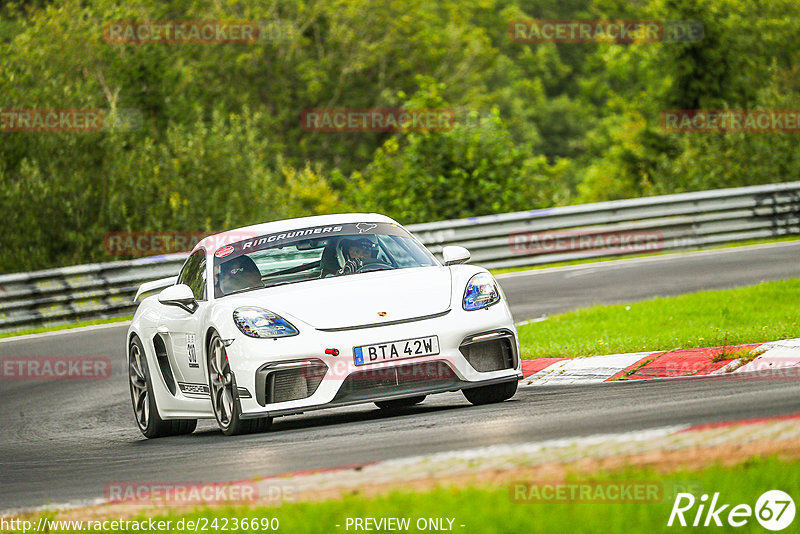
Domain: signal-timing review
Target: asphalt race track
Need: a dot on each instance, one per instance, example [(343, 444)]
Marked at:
[(63, 441), (550, 291)]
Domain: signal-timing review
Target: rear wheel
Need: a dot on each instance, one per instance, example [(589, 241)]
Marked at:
[(222, 386), (144, 402), (399, 403), (490, 394)]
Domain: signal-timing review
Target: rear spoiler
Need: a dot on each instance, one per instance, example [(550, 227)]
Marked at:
[(151, 287)]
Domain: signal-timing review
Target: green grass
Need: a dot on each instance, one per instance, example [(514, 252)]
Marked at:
[(764, 312), (633, 256), (42, 329), (489, 510)]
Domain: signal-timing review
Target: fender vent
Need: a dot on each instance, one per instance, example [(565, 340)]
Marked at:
[(163, 363)]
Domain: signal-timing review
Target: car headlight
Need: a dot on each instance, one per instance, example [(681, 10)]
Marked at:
[(481, 292), (261, 323)]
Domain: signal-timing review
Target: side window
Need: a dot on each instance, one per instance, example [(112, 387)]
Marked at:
[(193, 274)]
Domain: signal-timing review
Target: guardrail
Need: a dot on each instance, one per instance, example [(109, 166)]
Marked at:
[(82, 292), (606, 229)]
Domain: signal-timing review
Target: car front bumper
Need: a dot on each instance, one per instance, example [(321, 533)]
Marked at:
[(341, 382)]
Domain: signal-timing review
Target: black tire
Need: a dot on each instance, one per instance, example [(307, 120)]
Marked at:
[(490, 394), (145, 410), (399, 403), (224, 400)]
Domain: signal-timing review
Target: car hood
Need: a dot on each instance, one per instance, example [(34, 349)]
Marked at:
[(359, 299)]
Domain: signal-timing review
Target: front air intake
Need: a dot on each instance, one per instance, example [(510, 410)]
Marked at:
[(402, 379), (493, 351), (288, 381)]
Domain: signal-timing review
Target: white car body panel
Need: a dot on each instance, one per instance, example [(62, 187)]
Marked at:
[(318, 303)]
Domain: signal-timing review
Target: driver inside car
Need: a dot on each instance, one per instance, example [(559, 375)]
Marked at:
[(356, 253)]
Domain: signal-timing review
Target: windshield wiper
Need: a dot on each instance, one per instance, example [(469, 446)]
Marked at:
[(286, 282), (243, 290)]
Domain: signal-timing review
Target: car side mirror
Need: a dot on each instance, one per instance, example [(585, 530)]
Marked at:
[(454, 255), (179, 295)]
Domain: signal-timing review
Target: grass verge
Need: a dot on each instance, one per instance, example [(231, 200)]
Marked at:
[(753, 314), (485, 509)]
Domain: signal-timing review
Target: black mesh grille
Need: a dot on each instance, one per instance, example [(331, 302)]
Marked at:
[(369, 378), (401, 379), (436, 371), (490, 355), (293, 384)]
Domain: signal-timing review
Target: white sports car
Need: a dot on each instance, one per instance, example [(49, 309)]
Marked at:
[(290, 316)]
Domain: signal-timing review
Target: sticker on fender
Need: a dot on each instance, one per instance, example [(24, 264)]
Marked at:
[(396, 350)]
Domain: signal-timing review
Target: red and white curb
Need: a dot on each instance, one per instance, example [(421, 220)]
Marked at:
[(776, 359)]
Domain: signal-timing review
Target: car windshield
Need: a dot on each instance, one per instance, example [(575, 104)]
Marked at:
[(314, 253)]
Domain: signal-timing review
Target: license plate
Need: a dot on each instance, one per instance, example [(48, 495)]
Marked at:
[(396, 350)]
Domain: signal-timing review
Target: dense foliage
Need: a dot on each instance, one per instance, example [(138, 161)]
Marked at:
[(219, 142)]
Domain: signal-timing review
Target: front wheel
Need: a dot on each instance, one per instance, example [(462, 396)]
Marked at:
[(223, 399), (490, 394), (144, 402)]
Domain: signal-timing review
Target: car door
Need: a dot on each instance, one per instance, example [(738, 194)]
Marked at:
[(182, 331)]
